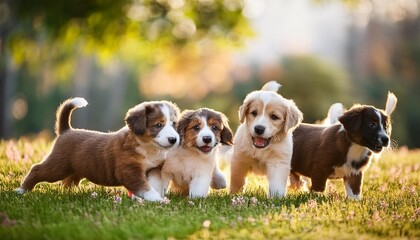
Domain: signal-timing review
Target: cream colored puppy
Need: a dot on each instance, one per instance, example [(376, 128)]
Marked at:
[(263, 143), (192, 167)]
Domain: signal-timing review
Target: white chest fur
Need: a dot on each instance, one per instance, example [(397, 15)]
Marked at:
[(355, 155)]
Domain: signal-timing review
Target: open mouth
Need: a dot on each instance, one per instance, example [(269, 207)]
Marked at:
[(377, 148), (205, 149), (260, 142)]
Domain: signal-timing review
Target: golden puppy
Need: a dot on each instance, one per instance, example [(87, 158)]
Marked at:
[(191, 167), (263, 143), (109, 159)]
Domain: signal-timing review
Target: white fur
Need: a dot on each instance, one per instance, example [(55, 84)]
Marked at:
[(167, 131), (391, 103), (355, 153), (188, 167), (272, 86), (191, 169), (273, 161), (205, 131), (79, 102), (350, 194), (334, 112), (20, 190), (151, 195)]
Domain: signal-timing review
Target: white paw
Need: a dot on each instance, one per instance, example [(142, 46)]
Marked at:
[(273, 194), (354, 197), (152, 195), (20, 190), (198, 195)]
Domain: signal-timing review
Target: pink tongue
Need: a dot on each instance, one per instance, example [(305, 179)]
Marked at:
[(258, 141), (205, 149)]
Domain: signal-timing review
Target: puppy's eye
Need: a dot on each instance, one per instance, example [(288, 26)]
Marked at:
[(158, 125), (274, 117), (372, 125), (254, 113), (174, 124), (215, 128), (196, 127)]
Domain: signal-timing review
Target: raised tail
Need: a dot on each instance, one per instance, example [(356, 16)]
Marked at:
[(334, 112), (272, 86), (391, 103), (64, 114)]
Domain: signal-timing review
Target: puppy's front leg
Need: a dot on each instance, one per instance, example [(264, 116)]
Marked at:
[(238, 170), (154, 177), (353, 185), (199, 186), (277, 175), (133, 177)]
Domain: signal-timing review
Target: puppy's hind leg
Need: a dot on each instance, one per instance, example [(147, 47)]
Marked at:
[(218, 180), (51, 170), (70, 181)]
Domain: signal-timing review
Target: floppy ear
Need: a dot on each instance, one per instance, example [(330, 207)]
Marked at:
[(183, 122), (243, 109), (227, 135), (136, 120), (351, 120), (293, 117)]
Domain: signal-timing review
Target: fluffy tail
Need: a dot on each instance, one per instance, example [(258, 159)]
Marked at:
[(391, 103), (64, 114), (335, 111), (272, 86)]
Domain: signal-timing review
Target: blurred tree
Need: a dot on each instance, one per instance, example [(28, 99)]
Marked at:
[(53, 35), (314, 85)]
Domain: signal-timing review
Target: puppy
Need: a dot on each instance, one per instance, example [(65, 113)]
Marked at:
[(342, 150), (193, 165), (109, 159), (263, 143)]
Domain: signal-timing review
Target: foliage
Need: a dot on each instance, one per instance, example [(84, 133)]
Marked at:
[(314, 85), (390, 207)]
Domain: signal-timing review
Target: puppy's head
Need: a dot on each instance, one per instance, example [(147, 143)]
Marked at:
[(367, 126), (203, 129), (154, 122), (268, 117)]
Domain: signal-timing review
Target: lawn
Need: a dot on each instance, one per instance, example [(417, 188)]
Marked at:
[(390, 207)]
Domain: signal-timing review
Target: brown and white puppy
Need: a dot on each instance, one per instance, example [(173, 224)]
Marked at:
[(110, 159), (191, 167), (263, 143), (342, 150)]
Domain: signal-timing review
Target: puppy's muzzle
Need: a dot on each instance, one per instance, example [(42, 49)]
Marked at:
[(172, 140), (380, 142), (259, 130)]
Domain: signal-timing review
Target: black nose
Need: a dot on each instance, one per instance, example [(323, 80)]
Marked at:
[(172, 140), (207, 139), (259, 129), (385, 140)]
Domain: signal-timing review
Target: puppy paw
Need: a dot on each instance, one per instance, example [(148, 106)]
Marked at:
[(152, 195), (354, 197), (218, 182), (20, 190)]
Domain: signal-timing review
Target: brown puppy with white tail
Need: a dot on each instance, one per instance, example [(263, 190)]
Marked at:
[(341, 150), (109, 159), (263, 142)]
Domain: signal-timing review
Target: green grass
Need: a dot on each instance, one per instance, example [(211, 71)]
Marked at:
[(389, 209)]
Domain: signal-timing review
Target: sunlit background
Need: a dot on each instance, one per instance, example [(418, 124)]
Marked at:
[(205, 53)]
